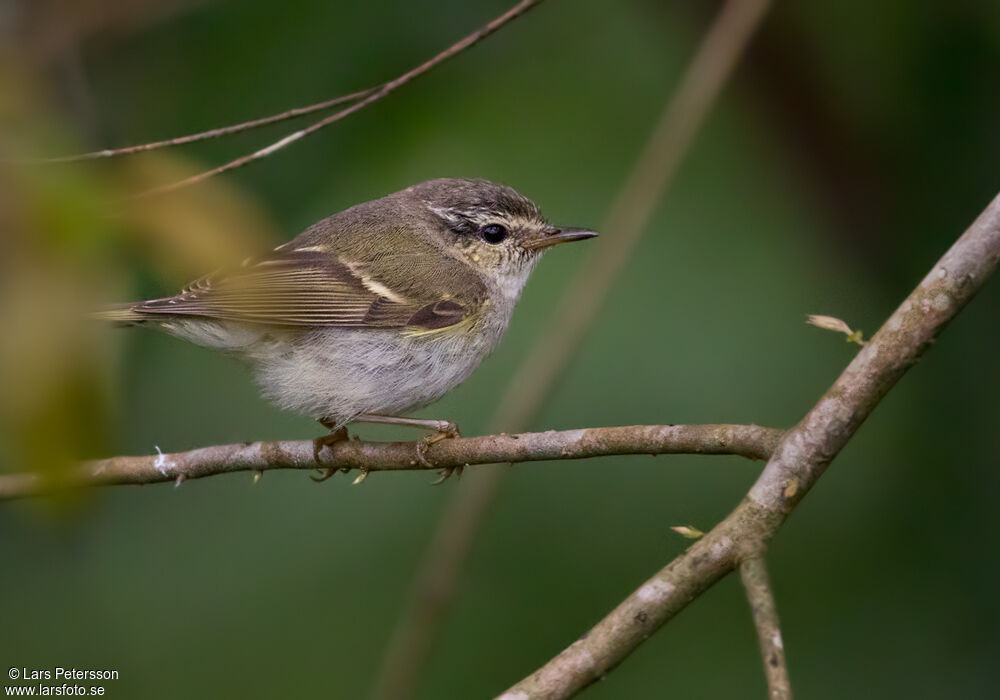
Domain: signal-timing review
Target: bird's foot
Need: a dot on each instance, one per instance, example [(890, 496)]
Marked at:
[(444, 430), (441, 430), (328, 440)]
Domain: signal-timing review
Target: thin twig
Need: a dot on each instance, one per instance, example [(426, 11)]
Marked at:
[(800, 459), (753, 573), (205, 135), (456, 530), (456, 48), (751, 441)]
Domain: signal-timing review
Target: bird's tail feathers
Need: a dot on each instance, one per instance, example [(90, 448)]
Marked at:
[(119, 313)]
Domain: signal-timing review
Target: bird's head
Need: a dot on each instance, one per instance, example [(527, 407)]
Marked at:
[(492, 227)]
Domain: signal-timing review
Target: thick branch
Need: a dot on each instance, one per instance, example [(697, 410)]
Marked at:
[(751, 441), (753, 572), (800, 459)]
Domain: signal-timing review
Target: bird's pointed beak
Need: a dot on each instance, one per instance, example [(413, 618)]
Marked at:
[(555, 236)]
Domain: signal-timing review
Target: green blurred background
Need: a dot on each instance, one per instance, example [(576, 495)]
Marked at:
[(854, 144)]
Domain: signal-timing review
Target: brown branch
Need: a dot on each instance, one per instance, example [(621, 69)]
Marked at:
[(205, 135), (803, 454), (378, 93), (753, 573), (456, 530), (751, 441)]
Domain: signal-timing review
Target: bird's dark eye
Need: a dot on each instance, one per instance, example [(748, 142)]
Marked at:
[(493, 233)]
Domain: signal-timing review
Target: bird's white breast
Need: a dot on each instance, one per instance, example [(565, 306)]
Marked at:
[(338, 373)]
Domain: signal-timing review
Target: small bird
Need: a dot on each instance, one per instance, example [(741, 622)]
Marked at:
[(375, 311)]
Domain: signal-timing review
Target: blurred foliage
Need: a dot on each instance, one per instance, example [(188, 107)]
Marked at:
[(63, 230), (54, 403), (857, 141)]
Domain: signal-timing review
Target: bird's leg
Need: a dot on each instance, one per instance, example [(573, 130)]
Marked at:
[(334, 436), (442, 430)]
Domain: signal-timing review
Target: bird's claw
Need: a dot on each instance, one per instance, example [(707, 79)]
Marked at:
[(327, 473), (445, 431), (324, 441), (446, 473), (421, 446)]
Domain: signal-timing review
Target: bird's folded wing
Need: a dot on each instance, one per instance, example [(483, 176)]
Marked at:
[(305, 288)]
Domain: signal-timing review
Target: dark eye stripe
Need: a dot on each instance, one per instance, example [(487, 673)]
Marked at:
[(462, 227)]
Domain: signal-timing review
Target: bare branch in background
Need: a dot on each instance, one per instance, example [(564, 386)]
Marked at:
[(751, 441), (364, 98), (206, 135), (753, 573), (453, 50), (800, 459), (436, 582)]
